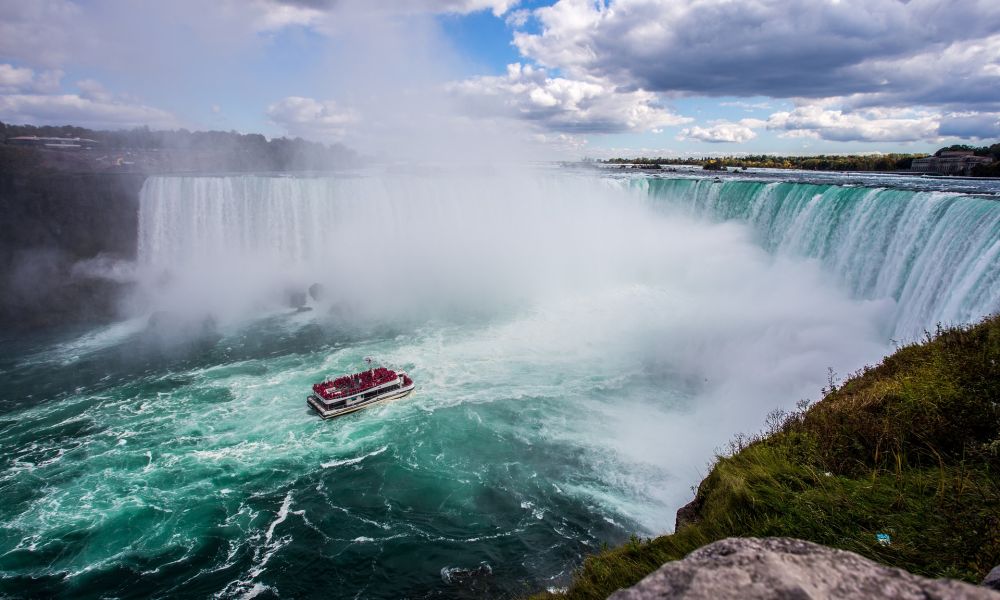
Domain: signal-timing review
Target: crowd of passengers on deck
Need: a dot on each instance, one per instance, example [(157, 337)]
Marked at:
[(352, 384)]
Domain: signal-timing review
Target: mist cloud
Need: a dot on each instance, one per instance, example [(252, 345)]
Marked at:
[(562, 273)]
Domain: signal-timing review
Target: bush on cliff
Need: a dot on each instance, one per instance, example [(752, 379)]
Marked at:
[(910, 448)]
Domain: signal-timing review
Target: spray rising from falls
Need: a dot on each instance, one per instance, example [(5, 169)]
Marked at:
[(569, 291), (427, 241), (937, 254)]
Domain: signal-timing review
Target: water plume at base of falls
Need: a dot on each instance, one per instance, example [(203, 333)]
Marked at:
[(555, 272), (937, 254)]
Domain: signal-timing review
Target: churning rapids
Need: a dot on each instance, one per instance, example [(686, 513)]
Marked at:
[(581, 345)]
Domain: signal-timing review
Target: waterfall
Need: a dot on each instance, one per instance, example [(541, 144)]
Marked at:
[(466, 239), (937, 254)]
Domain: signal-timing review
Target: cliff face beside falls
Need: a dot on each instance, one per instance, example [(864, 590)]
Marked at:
[(909, 449), (61, 237), (68, 217)]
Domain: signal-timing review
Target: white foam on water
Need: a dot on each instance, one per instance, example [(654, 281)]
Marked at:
[(352, 461), (282, 515), (246, 587)]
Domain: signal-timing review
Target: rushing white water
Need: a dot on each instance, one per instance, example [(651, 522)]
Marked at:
[(369, 240), (937, 254)]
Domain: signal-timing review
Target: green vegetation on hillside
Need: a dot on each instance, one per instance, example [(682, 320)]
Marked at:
[(910, 448)]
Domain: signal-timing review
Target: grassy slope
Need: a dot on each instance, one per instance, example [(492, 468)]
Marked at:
[(910, 447)]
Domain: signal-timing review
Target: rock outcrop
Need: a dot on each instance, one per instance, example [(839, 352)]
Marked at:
[(688, 514), (992, 580), (784, 568)]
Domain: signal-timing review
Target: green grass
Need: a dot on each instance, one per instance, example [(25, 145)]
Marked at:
[(910, 448)]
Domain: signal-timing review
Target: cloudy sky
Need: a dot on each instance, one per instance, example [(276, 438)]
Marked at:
[(582, 77)]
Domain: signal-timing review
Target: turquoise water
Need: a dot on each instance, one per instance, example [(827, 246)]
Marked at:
[(206, 475), (933, 252), (579, 353)]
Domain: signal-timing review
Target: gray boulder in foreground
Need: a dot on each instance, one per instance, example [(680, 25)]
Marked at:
[(784, 568)]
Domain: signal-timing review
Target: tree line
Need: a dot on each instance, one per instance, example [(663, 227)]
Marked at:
[(209, 150), (861, 162), (823, 162)]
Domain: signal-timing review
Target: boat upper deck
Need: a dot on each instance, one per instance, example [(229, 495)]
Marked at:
[(350, 385)]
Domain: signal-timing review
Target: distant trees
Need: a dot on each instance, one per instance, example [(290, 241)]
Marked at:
[(854, 162), (215, 150), (865, 162), (990, 170)]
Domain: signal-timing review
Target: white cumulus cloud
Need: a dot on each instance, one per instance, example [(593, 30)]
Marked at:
[(311, 118), (13, 79), (971, 125), (865, 125), (74, 109), (723, 131), (775, 48), (275, 14), (29, 97), (22, 79), (561, 104)]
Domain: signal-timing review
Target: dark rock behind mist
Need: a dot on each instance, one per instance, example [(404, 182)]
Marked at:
[(61, 234), (783, 568), (69, 217)]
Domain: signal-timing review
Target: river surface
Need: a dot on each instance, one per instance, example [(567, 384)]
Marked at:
[(582, 344)]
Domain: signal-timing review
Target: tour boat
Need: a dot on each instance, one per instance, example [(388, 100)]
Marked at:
[(349, 393)]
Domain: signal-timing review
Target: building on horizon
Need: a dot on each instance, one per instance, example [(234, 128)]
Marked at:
[(53, 143), (950, 162)]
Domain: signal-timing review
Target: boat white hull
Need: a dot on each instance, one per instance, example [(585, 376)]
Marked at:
[(329, 413)]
